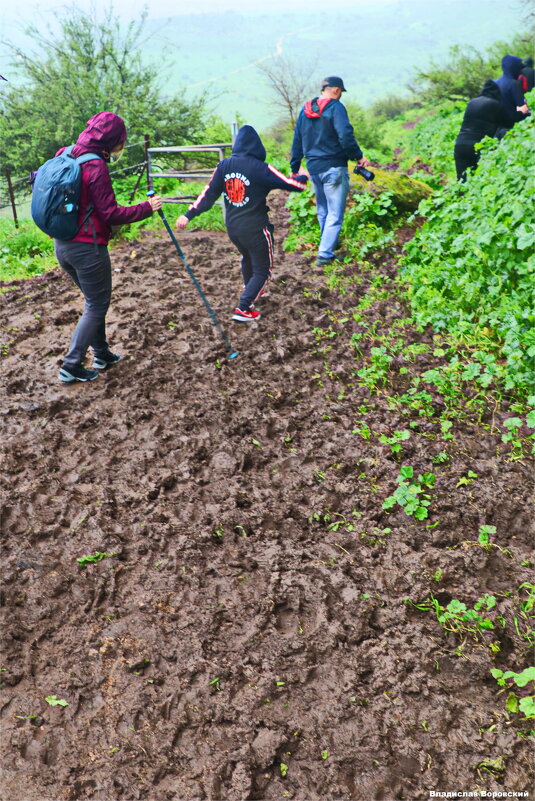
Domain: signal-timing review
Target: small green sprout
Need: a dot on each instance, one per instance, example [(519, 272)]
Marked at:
[(484, 534), (53, 700), (98, 556), (283, 769)]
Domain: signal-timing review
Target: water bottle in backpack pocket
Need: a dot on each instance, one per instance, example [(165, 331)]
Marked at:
[(56, 194)]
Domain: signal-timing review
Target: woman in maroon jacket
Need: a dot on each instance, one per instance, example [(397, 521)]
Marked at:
[(85, 257)]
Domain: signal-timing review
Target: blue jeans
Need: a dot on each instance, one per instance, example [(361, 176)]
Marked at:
[(331, 188), (90, 269)]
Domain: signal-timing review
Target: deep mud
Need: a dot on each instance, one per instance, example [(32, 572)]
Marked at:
[(230, 631)]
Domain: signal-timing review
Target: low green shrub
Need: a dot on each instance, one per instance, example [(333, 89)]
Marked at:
[(25, 251), (470, 268)]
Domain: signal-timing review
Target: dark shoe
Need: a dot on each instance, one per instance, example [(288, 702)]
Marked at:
[(245, 316), (69, 374), (322, 260), (106, 359)]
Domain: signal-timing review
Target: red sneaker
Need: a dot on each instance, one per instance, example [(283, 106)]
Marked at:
[(245, 316)]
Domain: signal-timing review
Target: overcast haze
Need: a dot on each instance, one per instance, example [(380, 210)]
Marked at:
[(374, 44)]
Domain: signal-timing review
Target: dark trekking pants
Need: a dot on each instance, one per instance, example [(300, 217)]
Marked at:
[(89, 267), (465, 158), (256, 248)]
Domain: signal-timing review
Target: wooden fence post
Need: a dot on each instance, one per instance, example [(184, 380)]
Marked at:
[(12, 196)]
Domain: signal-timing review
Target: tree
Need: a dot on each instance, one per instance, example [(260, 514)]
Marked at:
[(461, 77), (291, 84), (89, 66)]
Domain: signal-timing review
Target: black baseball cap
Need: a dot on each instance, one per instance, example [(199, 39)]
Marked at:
[(333, 80)]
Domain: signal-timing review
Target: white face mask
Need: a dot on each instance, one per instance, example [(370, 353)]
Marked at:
[(116, 154)]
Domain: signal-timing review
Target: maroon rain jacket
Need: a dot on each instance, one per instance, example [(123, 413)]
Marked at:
[(103, 133)]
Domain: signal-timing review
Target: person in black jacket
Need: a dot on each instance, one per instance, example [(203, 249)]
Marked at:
[(245, 181), (484, 116), (528, 73), (512, 95)]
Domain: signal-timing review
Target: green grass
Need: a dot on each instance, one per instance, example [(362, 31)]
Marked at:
[(25, 251)]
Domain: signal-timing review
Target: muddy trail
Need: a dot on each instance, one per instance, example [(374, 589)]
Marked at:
[(251, 631)]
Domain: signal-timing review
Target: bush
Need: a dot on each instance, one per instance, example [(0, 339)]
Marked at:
[(366, 131), (470, 267), (25, 251), (432, 139), (389, 107)]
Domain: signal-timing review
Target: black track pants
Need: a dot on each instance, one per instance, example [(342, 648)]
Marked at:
[(256, 248)]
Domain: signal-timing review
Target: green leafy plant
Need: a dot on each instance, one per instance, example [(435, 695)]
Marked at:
[(411, 494), (467, 479), (53, 700), (524, 705), (460, 277), (90, 559), (395, 440), (458, 618), (485, 534)]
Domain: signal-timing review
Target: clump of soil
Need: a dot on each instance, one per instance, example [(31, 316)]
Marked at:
[(234, 642)]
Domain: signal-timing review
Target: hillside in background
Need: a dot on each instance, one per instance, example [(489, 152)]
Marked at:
[(375, 47)]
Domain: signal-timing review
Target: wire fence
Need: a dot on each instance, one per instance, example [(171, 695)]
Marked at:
[(16, 193)]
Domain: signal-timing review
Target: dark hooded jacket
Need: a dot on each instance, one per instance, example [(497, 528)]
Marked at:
[(245, 180), (529, 73), (102, 134), (324, 136), (510, 89), (484, 116)]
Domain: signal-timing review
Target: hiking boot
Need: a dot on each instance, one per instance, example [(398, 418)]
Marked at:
[(322, 260), (106, 359), (245, 316), (77, 373)]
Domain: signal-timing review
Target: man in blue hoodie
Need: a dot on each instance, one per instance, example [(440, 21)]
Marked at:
[(512, 96), (245, 181), (324, 137)]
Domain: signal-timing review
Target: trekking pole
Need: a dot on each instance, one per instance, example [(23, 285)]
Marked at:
[(232, 354)]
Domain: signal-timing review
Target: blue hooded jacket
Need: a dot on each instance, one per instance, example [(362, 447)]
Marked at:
[(245, 181), (324, 136), (510, 89)]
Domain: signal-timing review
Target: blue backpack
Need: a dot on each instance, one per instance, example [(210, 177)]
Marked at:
[(56, 195)]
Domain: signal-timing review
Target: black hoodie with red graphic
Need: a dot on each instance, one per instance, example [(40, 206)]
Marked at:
[(245, 180)]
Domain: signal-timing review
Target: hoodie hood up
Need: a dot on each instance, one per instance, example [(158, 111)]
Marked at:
[(491, 89), (103, 132), (511, 66), (314, 108), (248, 143)]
